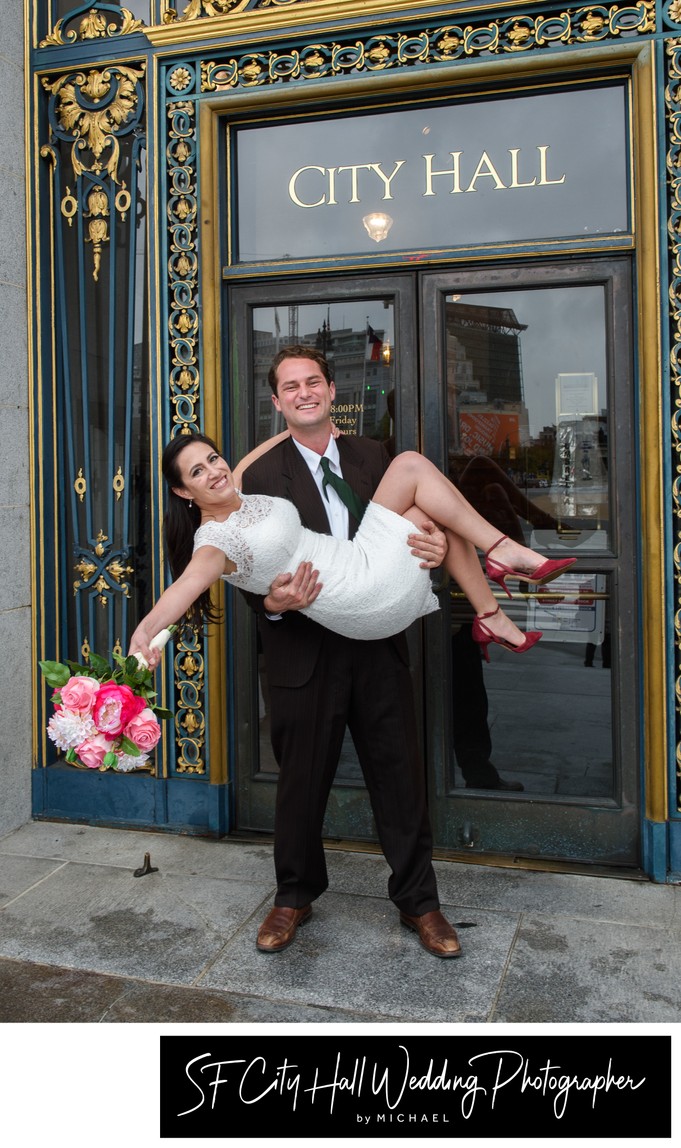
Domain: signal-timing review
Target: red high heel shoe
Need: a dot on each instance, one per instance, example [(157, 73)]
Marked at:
[(550, 569), (483, 636)]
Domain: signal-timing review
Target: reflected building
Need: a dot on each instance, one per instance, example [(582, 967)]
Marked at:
[(362, 365), (485, 402)]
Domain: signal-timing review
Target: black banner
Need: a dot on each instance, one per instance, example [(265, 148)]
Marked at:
[(416, 1086)]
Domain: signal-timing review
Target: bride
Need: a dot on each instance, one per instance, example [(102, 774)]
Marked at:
[(369, 587)]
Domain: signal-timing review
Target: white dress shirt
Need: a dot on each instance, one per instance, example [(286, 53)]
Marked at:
[(336, 510)]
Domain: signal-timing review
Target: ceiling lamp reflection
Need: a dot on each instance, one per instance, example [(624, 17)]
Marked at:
[(378, 224)]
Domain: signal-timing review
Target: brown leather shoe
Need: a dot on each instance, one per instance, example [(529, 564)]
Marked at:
[(279, 927), (435, 933)]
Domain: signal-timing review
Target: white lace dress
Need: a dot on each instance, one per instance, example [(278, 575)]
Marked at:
[(372, 586)]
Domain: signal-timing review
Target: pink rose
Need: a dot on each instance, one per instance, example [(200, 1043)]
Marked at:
[(78, 694), (144, 730), (93, 750), (115, 706)]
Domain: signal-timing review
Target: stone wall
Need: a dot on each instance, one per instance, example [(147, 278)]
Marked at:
[(16, 676)]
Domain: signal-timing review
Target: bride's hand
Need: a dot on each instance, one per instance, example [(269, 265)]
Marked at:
[(430, 546)]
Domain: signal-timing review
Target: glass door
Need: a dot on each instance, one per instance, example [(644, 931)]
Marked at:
[(366, 330), (519, 384), (527, 403)]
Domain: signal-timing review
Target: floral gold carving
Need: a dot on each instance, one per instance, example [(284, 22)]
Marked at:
[(197, 8), (91, 110), (93, 26), (180, 79), (98, 228), (189, 665), (119, 572), (85, 569), (94, 129), (105, 572), (191, 722)]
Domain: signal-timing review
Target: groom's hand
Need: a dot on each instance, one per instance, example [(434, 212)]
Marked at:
[(293, 591), (430, 546)]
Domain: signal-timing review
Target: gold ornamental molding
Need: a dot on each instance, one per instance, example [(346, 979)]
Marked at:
[(222, 19), (183, 267), (190, 722), (94, 25), (447, 44)]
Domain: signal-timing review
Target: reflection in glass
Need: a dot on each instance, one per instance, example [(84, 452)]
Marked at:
[(527, 410), (527, 416), (357, 338), (545, 724)]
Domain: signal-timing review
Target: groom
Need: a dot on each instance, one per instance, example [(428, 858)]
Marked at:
[(320, 682)]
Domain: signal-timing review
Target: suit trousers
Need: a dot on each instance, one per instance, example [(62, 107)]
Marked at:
[(367, 687)]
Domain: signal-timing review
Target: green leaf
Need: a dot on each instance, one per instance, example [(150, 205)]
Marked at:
[(129, 747), (109, 759), (78, 670), (56, 674), (71, 755), (161, 713), (100, 666)]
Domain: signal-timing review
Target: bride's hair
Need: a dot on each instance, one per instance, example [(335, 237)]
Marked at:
[(180, 524)]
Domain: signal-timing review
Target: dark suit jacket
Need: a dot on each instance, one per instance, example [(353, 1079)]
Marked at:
[(291, 645)]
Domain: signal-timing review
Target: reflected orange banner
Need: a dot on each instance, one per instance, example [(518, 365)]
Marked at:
[(488, 432)]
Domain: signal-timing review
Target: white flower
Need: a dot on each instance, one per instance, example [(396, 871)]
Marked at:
[(68, 730), (126, 762)]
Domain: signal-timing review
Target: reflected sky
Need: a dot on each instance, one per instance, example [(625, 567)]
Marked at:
[(565, 335)]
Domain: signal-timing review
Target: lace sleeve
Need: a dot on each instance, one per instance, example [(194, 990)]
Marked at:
[(232, 537)]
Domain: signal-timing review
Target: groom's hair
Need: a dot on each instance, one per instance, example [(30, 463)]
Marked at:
[(297, 351)]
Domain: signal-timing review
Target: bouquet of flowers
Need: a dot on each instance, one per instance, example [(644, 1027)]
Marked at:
[(104, 716)]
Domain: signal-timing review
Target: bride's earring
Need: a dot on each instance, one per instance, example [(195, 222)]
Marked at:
[(191, 503)]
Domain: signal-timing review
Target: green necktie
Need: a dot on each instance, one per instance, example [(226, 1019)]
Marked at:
[(343, 490)]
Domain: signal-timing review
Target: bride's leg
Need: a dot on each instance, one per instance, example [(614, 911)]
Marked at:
[(462, 563), (412, 480)]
